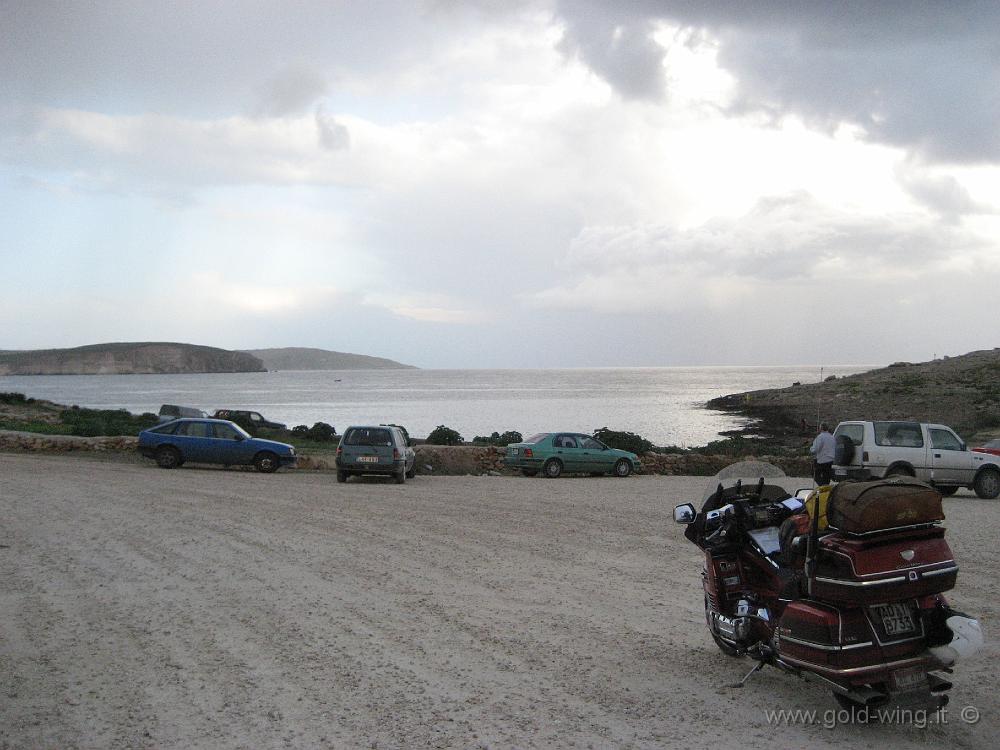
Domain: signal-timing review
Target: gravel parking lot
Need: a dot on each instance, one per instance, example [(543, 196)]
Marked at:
[(210, 608)]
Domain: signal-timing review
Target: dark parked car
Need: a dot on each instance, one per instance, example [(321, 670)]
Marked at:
[(381, 449), (212, 441), (555, 453), (169, 412), (252, 418)]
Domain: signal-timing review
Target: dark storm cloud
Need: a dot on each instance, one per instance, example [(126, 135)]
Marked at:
[(921, 75), (623, 52)]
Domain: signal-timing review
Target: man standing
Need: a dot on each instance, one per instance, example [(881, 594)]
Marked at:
[(824, 449)]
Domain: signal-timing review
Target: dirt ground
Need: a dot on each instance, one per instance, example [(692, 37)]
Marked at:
[(211, 608)]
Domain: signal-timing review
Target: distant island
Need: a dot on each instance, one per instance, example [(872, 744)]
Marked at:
[(157, 357), (145, 358), (962, 392), (304, 358)]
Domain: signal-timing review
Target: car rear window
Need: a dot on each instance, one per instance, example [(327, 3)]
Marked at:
[(899, 434), (368, 436), (537, 438), (856, 432)]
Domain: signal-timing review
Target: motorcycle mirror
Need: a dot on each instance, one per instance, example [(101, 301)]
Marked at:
[(684, 513)]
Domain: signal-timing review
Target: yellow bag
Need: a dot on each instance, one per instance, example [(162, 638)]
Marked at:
[(822, 495)]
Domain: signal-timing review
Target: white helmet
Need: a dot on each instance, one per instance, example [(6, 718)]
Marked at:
[(966, 639)]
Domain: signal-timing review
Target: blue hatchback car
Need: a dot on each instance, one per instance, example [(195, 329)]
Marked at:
[(212, 441)]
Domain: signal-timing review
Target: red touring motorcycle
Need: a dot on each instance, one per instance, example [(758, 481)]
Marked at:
[(850, 594)]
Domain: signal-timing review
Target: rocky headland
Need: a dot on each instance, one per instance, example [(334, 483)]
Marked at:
[(145, 358), (962, 392), (305, 358)]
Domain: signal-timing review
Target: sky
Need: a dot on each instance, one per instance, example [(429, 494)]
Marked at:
[(502, 183)]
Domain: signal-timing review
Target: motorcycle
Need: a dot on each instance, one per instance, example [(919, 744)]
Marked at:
[(861, 611)]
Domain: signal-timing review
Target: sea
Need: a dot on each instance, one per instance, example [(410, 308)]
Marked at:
[(665, 405)]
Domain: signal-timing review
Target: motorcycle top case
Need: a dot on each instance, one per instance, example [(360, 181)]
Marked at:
[(897, 566), (860, 508)]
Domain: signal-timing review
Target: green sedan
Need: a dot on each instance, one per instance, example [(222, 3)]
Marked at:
[(555, 453)]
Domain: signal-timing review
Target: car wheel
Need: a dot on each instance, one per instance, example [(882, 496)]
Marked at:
[(552, 468), (529, 472), (168, 457), (947, 491), (623, 467), (266, 463), (341, 476), (400, 476), (987, 484)]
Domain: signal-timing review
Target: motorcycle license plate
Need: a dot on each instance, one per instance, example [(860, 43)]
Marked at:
[(909, 679), (896, 619)]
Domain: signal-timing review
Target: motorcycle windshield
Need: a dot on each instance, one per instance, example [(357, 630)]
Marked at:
[(745, 472)]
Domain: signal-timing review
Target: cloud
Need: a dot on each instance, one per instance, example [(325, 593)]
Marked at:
[(291, 91), (786, 243), (623, 52), (922, 76)]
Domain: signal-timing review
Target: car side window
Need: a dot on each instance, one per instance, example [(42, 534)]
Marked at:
[(566, 441), (899, 434), (167, 429), (225, 432), (592, 444), (197, 429), (255, 417), (945, 440)]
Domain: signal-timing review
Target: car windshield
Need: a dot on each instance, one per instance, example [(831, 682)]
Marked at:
[(537, 438)]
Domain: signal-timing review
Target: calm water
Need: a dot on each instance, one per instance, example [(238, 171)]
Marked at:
[(663, 404)]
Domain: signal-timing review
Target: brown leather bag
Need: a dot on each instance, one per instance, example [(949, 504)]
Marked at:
[(864, 507)]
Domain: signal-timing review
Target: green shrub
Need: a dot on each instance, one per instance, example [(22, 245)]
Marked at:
[(105, 422), (442, 435), (626, 441), (511, 436), (322, 432), (15, 398)]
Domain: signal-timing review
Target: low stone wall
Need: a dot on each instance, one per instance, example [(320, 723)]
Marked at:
[(36, 442), (432, 460)]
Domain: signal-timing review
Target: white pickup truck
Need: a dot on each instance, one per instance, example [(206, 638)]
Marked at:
[(932, 453)]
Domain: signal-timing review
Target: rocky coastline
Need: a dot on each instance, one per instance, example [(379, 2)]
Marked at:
[(962, 392)]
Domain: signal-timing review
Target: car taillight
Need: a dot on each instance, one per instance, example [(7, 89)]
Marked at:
[(339, 450), (528, 453), (395, 454)]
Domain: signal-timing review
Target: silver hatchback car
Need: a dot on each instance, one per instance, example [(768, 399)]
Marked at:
[(375, 449)]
